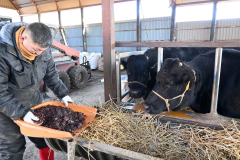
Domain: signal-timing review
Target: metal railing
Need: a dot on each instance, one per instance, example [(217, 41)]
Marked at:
[(118, 71)]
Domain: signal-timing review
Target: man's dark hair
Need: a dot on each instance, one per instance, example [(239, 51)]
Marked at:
[(40, 34)]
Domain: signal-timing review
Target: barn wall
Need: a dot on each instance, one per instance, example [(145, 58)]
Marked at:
[(94, 38), (226, 30), (153, 29), (74, 37)]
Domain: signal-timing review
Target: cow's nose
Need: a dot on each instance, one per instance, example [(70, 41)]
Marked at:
[(135, 93), (146, 107)]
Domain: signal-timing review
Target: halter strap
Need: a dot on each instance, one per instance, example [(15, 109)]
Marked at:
[(138, 83), (167, 100), (195, 78), (153, 66)]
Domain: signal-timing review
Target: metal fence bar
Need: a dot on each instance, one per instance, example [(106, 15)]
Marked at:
[(160, 58), (118, 77), (117, 151), (118, 71), (216, 79), (178, 44), (71, 149)]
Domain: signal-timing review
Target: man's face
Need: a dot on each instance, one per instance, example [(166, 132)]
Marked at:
[(32, 47)]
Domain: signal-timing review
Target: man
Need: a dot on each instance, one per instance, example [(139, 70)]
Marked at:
[(25, 61)]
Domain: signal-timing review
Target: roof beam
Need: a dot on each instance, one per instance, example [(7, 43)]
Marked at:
[(35, 6), (80, 4), (56, 5), (15, 6)]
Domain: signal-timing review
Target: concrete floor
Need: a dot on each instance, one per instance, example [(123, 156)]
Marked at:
[(89, 96)]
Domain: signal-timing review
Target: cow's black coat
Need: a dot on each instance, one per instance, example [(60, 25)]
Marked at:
[(173, 77), (143, 68)]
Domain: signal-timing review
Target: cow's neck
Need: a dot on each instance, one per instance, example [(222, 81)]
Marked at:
[(204, 67), (152, 64)]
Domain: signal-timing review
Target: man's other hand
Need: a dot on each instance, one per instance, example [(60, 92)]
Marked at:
[(67, 99)]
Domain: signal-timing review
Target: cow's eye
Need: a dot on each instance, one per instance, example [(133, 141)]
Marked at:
[(146, 72), (171, 84)]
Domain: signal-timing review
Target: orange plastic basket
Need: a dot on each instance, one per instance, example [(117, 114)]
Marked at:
[(33, 130)]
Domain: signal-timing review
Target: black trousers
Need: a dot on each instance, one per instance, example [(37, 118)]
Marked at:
[(39, 142), (12, 142)]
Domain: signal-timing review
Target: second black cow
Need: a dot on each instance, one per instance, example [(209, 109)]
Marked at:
[(181, 84), (142, 69)]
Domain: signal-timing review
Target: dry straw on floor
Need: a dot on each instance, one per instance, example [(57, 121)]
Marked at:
[(141, 132)]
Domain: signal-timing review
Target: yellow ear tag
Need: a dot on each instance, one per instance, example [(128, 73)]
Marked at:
[(121, 66), (187, 88)]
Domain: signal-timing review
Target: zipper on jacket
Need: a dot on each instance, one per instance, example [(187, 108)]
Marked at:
[(35, 74), (18, 57)]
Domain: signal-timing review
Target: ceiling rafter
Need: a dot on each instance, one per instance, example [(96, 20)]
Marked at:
[(15, 6), (80, 4), (36, 2), (35, 6), (56, 5)]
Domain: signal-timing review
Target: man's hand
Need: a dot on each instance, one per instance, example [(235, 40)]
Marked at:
[(67, 99), (29, 117)]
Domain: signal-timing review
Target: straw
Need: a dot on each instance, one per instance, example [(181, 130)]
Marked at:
[(143, 133)]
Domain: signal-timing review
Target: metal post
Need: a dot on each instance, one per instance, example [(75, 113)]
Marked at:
[(118, 75), (21, 18), (64, 38), (216, 79), (71, 149), (59, 19), (108, 29), (213, 25), (173, 21), (83, 31), (160, 58), (39, 17), (61, 29), (138, 25)]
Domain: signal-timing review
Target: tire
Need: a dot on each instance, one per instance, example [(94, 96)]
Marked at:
[(78, 76), (65, 79)]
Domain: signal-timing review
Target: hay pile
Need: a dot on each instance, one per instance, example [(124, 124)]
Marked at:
[(143, 133)]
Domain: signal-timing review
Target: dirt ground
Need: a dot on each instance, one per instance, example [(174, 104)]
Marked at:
[(89, 96)]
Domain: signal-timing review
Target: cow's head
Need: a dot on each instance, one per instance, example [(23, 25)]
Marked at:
[(174, 87), (138, 75)]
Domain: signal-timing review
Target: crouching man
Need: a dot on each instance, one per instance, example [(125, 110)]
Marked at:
[(25, 61)]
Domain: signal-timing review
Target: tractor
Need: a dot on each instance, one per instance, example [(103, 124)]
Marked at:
[(72, 74)]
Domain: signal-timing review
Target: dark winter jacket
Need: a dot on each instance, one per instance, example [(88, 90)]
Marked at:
[(20, 78)]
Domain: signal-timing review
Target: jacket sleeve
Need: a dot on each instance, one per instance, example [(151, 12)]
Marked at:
[(9, 105), (52, 80)]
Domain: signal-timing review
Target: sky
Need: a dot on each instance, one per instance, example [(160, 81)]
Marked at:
[(127, 11)]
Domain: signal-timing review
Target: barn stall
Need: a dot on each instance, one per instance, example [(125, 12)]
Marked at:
[(109, 45)]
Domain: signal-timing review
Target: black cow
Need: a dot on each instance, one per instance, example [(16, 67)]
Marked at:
[(194, 82), (142, 69)]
